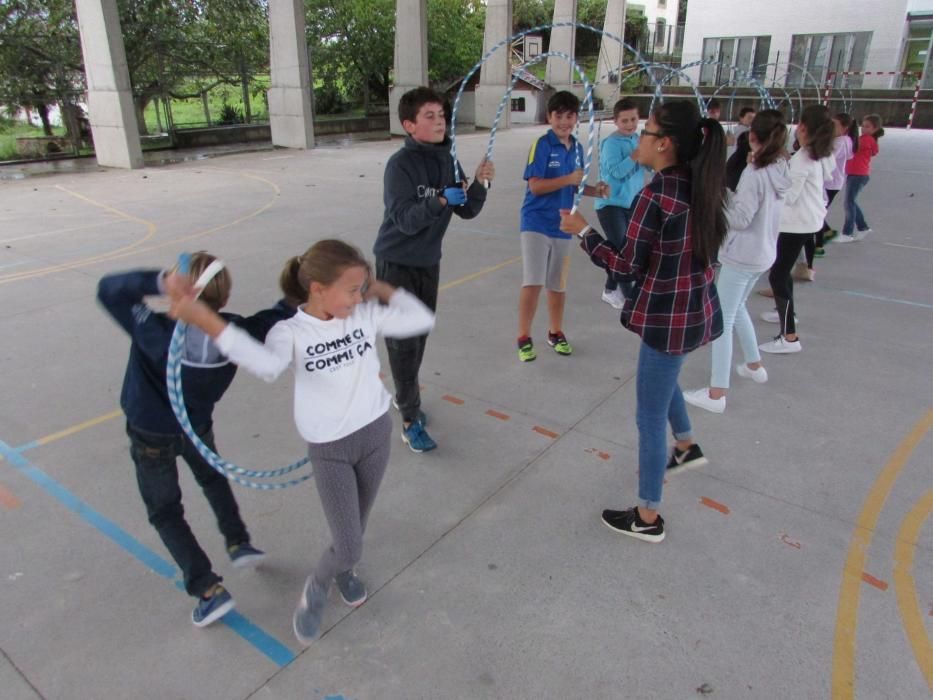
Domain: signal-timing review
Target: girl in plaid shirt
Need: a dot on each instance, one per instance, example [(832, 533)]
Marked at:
[(677, 225)]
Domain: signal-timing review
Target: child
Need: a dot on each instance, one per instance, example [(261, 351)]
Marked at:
[(554, 171), (156, 439), (677, 227), (746, 114), (858, 172), (341, 405), (803, 215), (754, 214), (625, 179), (713, 109), (421, 194)]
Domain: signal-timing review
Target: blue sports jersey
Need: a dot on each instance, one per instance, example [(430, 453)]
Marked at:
[(549, 158)]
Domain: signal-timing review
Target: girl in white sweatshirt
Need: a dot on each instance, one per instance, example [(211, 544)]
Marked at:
[(341, 405), (753, 213), (803, 215)]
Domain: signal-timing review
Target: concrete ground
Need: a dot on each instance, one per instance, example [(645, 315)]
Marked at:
[(798, 564)]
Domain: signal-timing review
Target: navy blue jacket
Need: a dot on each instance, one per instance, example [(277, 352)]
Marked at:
[(206, 374)]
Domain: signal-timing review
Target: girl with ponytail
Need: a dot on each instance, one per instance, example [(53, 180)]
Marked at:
[(804, 212), (754, 214), (858, 172), (678, 225), (341, 405)]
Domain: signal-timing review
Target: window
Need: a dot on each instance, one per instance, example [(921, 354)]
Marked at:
[(662, 4), (917, 49), (518, 104), (732, 58), (820, 54), (659, 31)]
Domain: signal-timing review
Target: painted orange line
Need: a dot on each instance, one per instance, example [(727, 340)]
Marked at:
[(496, 414), (453, 399), (8, 500), (599, 453), (715, 505), (876, 582), (545, 432)]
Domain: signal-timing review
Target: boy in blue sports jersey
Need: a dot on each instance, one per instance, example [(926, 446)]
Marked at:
[(553, 173)]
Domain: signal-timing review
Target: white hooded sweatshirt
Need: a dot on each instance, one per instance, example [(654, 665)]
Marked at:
[(805, 202), (754, 215)]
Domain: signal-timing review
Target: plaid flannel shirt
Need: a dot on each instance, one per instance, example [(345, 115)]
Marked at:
[(676, 308)]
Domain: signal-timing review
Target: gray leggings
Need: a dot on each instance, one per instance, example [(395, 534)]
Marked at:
[(348, 472)]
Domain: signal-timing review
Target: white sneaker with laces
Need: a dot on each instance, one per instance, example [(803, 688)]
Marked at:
[(842, 238), (861, 235), (759, 376), (614, 298), (781, 346), (701, 399)]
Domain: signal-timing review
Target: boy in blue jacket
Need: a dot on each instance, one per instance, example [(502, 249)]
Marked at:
[(626, 179), (156, 438)]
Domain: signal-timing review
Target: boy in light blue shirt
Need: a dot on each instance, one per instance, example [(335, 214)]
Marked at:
[(625, 179)]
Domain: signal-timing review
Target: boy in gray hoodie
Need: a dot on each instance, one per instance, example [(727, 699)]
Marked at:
[(422, 191)]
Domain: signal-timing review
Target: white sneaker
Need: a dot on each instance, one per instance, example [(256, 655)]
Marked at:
[(842, 238), (700, 398), (803, 273), (770, 316), (861, 235), (614, 298), (759, 376), (781, 346)]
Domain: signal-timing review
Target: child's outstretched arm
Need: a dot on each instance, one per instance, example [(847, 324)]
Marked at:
[(403, 316), (265, 361)]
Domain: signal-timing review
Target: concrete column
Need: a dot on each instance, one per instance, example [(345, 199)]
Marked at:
[(611, 53), (411, 54), (109, 95), (290, 115), (560, 74), (496, 73)]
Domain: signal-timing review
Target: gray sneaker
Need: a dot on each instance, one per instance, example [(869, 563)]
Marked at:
[(352, 590), (307, 618)]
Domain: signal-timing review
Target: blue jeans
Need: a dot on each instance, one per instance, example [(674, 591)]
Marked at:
[(734, 285), (614, 223), (157, 475), (659, 400), (854, 216)]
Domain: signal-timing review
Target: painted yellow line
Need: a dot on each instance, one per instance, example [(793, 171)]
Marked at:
[(79, 427), (480, 273), (904, 586), (150, 232), (843, 676), (134, 250)]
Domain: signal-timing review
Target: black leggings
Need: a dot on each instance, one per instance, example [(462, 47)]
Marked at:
[(782, 284), (817, 240)]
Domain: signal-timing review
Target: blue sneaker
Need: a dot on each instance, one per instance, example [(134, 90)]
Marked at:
[(417, 438), (211, 609), (245, 555), (307, 618), (352, 590)]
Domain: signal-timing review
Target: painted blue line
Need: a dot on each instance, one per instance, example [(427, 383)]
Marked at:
[(273, 649), (27, 446), (893, 301)]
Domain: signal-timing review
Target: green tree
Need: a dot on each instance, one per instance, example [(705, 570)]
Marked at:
[(455, 38)]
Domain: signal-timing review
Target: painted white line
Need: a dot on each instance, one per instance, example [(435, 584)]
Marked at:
[(278, 157), (4, 267), (912, 247)]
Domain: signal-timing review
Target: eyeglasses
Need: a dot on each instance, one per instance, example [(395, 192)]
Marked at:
[(656, 134)]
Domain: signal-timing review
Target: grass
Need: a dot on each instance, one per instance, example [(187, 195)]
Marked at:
[(10, 130), (190, 113)]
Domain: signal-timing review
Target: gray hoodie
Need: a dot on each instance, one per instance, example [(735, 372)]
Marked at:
[(754, 215)]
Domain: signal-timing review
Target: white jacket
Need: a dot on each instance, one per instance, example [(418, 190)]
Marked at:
[(337, 384), (805, 202), (754, 213)]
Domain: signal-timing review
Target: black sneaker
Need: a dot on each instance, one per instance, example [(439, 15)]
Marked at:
[(691, 458), (628, 523)]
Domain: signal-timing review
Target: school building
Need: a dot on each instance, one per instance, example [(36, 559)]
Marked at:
[(790, 41)]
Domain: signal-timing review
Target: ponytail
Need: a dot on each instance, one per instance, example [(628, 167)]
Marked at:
[(700, 145), (290, 284), (848, 123), (771, 132), (707, 191), (820, 131)]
